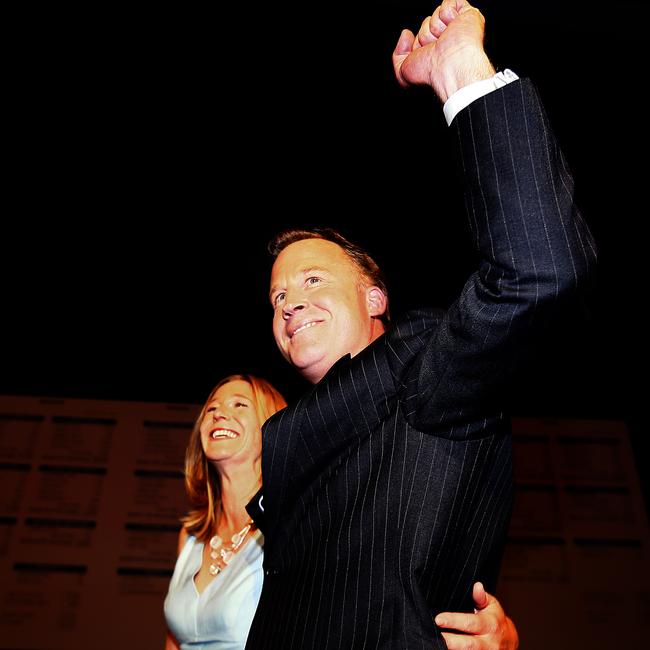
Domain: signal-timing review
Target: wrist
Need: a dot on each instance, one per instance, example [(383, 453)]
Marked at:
[(471, 92), (459, 77)]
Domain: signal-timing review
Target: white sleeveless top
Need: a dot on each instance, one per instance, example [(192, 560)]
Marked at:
[(221, 615)]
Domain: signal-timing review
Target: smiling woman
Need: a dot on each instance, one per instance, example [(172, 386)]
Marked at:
[(217, 580), (230, 426)]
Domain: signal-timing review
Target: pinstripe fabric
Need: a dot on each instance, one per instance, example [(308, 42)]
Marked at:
[(387, 488)]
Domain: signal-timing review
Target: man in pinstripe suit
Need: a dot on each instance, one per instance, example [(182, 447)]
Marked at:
[(387, 487)]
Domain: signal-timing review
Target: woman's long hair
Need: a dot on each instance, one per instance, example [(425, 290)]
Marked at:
[(202, 481)]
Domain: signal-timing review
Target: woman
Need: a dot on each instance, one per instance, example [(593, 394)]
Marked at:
[(218, 576)]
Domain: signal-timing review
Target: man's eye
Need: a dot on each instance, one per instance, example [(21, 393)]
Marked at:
[(280, 296), (313, 280)]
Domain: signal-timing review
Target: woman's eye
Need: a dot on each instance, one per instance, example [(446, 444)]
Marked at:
[(210, 409), (280, 296), (238, 404)]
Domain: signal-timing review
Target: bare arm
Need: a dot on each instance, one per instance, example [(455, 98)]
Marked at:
[(170, 641), (182, 538)]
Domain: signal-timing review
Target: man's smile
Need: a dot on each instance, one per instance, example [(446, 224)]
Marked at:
[(301, 327)]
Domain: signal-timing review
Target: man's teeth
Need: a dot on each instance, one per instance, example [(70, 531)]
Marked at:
[(222, 433), (305, 326)]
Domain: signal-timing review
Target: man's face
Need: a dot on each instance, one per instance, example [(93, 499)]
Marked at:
[(323, 309)]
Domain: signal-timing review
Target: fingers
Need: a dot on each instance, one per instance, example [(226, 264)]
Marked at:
[(404, 43), (426, 35), (488, 615), (433, 26), (480, 596), (489, 627), (449, 11), (445, 63), (403, 48), (469, 623)]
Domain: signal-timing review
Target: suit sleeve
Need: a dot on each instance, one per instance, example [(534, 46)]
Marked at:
[(536, 254)]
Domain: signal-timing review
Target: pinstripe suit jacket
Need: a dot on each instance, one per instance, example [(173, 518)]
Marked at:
[(387, 488)]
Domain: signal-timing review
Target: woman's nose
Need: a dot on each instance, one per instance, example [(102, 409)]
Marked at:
[(219, 414)]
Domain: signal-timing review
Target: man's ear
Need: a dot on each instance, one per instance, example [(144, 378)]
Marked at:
[(376, 300)]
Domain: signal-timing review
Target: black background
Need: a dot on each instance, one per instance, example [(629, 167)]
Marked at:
[(157, 152)]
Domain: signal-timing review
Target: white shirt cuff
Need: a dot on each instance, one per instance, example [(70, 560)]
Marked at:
[(467, 94)]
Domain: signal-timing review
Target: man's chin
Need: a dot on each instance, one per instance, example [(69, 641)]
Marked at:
[(311, 366)]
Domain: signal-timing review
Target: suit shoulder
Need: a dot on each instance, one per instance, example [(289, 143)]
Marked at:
[(409, 334)]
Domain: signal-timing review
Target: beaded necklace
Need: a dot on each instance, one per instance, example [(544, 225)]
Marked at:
[(225, 554)]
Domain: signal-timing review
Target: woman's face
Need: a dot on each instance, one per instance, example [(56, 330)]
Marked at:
[(230, 428)]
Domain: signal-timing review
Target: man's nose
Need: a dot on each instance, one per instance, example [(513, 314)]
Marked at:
[(290, 307)]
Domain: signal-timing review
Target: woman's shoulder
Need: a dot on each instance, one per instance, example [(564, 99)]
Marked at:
[(183, 536)]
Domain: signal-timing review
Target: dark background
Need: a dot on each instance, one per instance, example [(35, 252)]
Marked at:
[(157, 152)]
